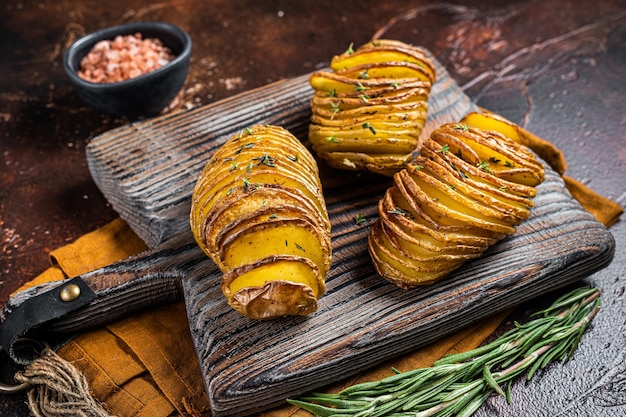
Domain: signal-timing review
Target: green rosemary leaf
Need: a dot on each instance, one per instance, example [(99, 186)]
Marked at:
[(431, 390), (318, 410), (458, 385), (489, 379), (473, 406), (569, 299), (463, 389), (535, 366), (508, 392), (466, 402), (464, 356)]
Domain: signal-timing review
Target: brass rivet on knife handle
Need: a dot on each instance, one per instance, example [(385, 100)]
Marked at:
[(36, 308), (69, 293)]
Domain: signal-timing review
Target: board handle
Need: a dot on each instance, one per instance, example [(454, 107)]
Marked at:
[(101, 296)]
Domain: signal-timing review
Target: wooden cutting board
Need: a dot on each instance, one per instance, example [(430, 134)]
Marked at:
[(147, 171)]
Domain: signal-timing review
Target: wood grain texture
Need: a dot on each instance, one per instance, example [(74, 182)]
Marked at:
[(363, 320), (147, 170)]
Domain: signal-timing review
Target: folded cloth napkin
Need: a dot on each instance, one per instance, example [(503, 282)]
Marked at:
[(145, 364)]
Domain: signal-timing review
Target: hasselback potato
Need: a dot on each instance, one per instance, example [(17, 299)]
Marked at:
[(468, 189), (259, 213), (369, 111)]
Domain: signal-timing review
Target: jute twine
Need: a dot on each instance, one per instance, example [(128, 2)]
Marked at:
[(58, 389)]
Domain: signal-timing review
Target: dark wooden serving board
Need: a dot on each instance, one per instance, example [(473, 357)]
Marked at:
[(147, 172)]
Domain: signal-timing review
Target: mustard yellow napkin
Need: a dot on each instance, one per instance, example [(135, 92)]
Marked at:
[(145, 365)]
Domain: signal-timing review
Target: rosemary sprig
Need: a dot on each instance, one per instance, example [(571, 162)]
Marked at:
[(457, 385)]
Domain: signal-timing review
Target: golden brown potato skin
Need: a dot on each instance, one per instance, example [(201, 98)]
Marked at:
[(468, 189), (258, 211), (369, 112)]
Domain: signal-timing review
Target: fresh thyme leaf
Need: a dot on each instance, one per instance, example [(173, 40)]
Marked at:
[(332, 92), (364, 75), (445, 149), (368, 125), (334, 107), (359, 219), (268, 160), (364, 98), (242, 147), (249, 186), (359, 87), (484, 165), (332, 139), (457, 385), (350, 49), (246, 131), (399, 211), (233, 166), (461, 127), (293, 158)]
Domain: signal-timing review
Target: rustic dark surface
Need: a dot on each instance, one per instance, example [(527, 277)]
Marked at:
[(556, 67)]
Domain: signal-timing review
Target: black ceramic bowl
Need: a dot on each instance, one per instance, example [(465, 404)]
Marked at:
[(142, 96)]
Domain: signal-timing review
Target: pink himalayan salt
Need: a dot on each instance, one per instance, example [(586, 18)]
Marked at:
[(123, 58)]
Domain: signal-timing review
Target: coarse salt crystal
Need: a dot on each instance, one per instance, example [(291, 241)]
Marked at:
[(123, 58)]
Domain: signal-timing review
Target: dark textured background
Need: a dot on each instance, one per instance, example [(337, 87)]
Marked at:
[(556, 67)]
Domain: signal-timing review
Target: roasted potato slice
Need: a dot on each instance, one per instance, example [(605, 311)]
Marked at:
[(468, 189), (467, 241), (356, 161), (401, 270), (381, 51), (492, 152), (491, 121), (251, 289), (491, 183), (374, 102), (258, 211)]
